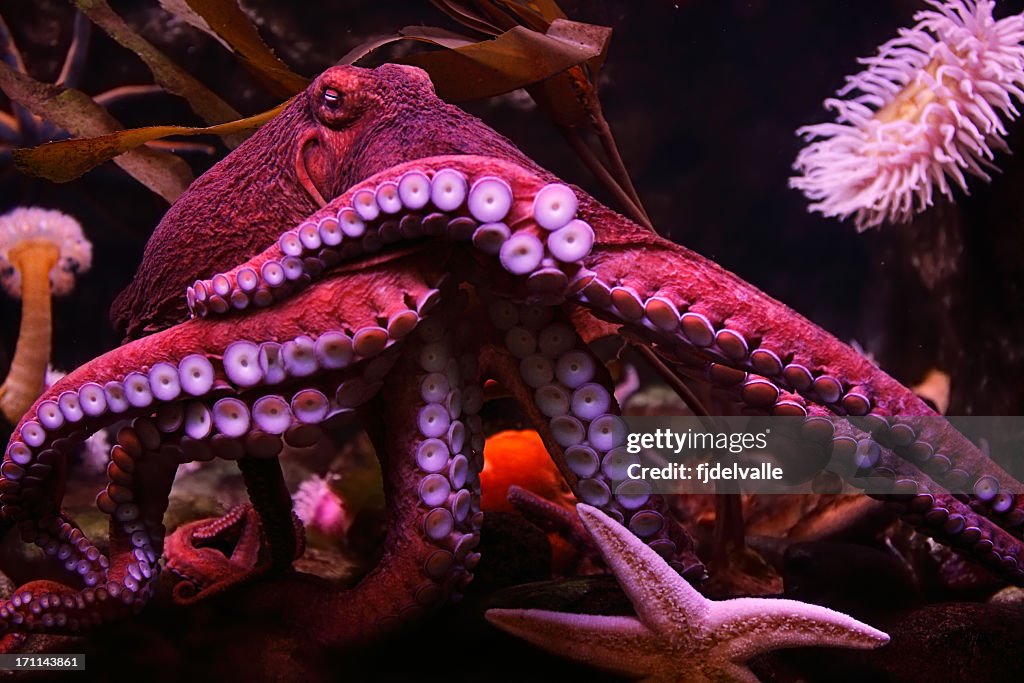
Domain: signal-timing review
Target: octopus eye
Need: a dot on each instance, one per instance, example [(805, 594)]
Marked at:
[(332, 98)]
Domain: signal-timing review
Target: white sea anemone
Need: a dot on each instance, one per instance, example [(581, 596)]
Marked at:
[(928, 108)]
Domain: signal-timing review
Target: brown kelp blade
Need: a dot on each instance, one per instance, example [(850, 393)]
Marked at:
[(77, 113), (174, 79), (466, 69), (232, 28), (66, 160)]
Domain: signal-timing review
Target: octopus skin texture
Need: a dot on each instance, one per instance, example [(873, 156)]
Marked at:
[(314, 149), (440, 259)]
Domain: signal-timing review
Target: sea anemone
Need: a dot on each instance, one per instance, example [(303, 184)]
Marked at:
[(321, 509), (927, 109), (41, 251)]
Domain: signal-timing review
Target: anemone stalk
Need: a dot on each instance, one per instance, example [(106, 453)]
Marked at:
[(34, 259), (41, 251)]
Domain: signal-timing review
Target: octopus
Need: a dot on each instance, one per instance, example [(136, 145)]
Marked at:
[(376, 254)]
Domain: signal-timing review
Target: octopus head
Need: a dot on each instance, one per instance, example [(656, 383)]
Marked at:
[(352, 109)]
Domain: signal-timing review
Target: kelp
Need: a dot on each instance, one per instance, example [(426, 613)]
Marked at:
[(101, 137), (526, 43), (568, 97), (229, 25), (165, 174), (171, 77), (467, 69), (69, 159), (463, 68)]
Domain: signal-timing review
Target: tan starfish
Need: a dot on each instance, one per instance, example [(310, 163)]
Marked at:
[(678, 634)]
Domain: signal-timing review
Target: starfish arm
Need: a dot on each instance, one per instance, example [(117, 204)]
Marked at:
[(663, 600), (745, 627), (619, 644)]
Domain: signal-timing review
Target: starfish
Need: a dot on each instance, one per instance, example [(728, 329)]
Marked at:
[(678, 634)]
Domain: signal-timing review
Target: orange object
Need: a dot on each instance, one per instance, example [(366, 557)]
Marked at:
[(520, 458)]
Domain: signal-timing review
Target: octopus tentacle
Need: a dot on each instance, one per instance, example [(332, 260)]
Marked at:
[(868, 462), (871, 463), (486, 202), (140, 475), (714, 324), (272, 502), (60, 539), (920, 501), (264, 535), (730, 336), (436, 488), (194, 391), (431, 447), (206, 571), (142, 468), (460, 198), (567, 394), (204, 361), (440, 386)]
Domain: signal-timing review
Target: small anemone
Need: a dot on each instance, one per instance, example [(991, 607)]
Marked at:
[(320, 508), (24, 225), (928, 109), (41, 251), (53, 375)]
